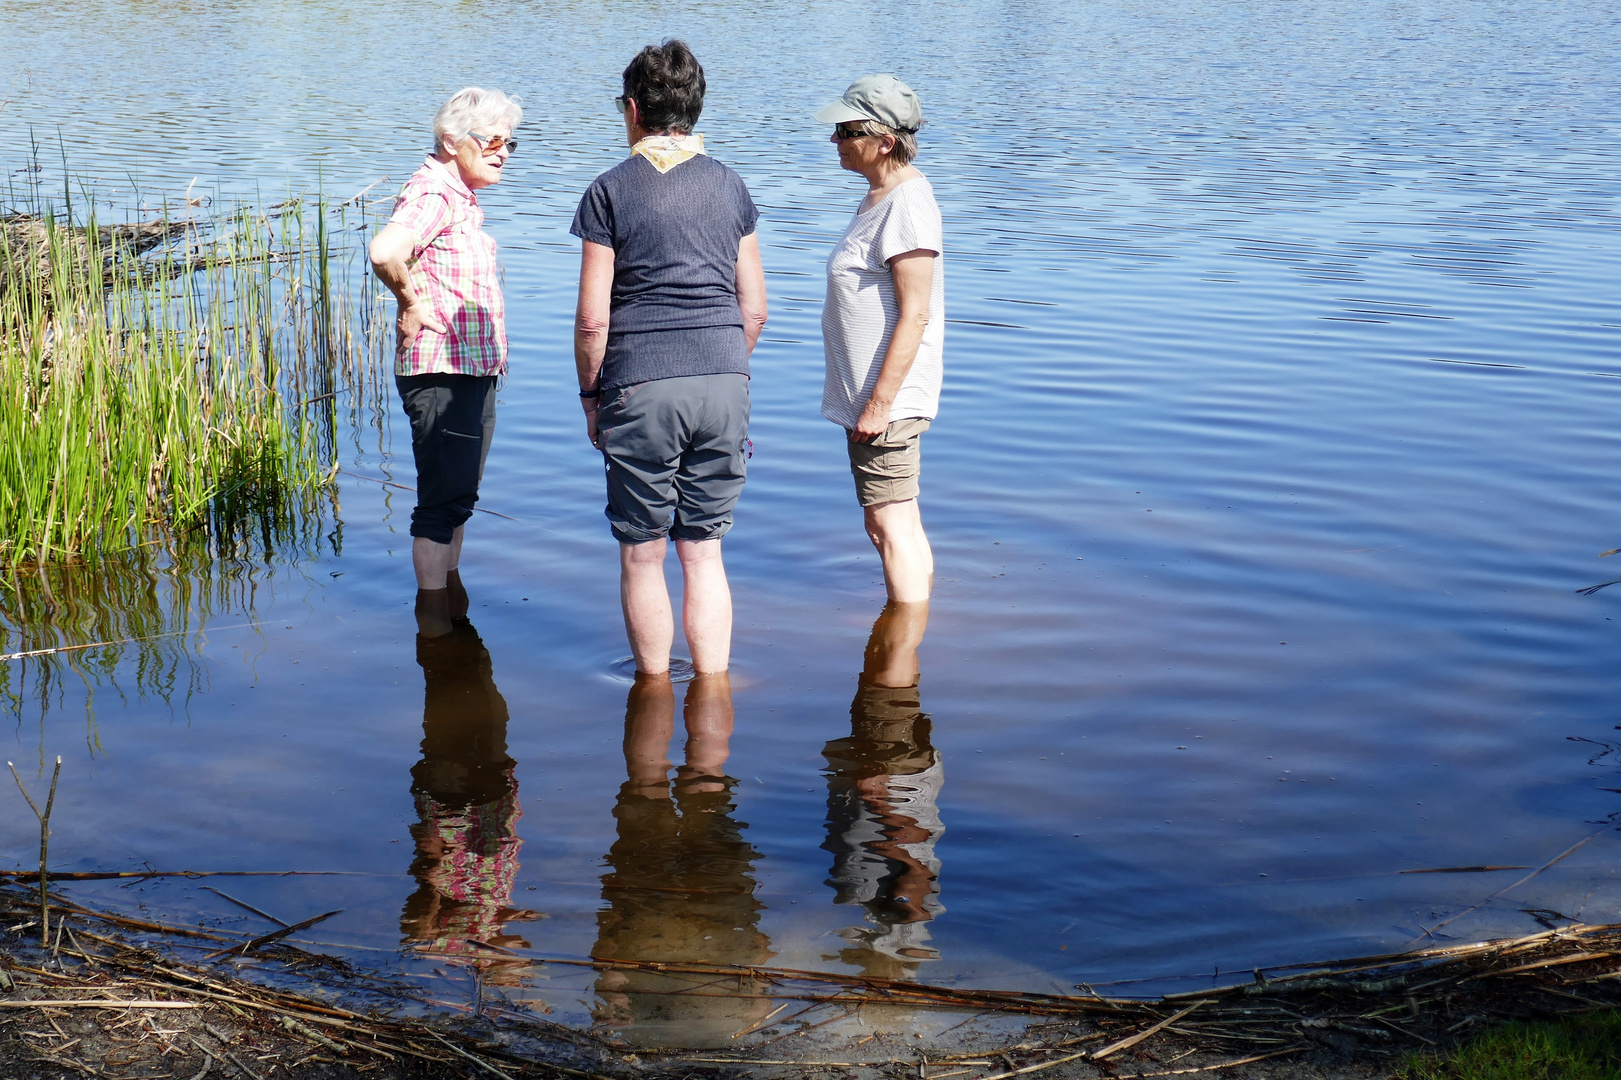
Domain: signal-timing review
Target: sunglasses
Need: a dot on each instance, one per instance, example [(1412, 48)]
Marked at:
[(491, 144), (621, 103), (843, 133)]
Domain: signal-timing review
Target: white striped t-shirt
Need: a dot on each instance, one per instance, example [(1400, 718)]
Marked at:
[(860, 311)]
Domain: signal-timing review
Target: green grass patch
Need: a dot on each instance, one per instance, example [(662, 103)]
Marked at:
[(1584, 1047), (185, 388)]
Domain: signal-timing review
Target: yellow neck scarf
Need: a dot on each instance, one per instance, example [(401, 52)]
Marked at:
[(665, 152)]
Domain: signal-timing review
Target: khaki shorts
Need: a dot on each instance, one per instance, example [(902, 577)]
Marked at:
[(887, 469)]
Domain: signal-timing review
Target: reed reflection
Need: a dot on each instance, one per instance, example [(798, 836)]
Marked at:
[(466, 794), (136, 621), (680, 884), (882, 819)]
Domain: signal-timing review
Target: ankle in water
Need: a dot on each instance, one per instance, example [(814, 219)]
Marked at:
[(433, 612)]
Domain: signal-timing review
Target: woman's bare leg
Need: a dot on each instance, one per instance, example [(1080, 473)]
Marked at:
[(706, 613), (649, 623), (896, 530)]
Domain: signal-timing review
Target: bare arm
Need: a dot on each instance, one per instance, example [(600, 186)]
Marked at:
[(390, 253), (751, 289), (591, 326), (914, 280)]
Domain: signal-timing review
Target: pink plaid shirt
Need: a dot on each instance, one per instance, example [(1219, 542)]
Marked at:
[(453, 269)]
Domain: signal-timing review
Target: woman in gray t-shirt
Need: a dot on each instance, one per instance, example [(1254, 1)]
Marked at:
[(672, 301), (883, 324)]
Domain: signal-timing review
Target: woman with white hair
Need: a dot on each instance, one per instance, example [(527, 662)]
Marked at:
[(451, 338)]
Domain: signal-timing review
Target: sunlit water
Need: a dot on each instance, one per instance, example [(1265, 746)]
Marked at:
[(1279, 431)]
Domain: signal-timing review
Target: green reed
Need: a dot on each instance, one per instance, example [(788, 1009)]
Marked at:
[(186, 387)]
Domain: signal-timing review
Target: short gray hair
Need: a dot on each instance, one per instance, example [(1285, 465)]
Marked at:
[(474, 109), (905, 141)]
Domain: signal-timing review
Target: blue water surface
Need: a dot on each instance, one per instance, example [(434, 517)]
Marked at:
[(1279, 432)]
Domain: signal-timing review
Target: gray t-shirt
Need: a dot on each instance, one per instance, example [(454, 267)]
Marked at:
[(860, 312)]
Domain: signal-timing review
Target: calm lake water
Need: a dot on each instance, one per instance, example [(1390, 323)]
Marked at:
[(1279, 431)]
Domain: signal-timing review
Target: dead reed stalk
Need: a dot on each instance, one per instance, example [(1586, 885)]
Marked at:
[(44, 843)]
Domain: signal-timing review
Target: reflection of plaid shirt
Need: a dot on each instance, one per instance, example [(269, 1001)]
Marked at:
[(473, 872), (453, 269)]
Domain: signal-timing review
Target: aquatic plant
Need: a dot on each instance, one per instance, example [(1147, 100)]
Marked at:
[(172, 377)]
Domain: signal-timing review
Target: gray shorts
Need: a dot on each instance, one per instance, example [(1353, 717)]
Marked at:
[(887, 469), (676, 453)]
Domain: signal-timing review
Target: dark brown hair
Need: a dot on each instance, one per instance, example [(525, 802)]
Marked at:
[(667, 83)]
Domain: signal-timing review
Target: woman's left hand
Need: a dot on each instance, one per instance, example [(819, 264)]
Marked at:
[(874, 420), (592, 431)]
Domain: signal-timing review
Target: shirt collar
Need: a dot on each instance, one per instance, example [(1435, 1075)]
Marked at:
[(451, 179)]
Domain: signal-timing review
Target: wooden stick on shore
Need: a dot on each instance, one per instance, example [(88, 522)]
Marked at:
[(44, 843)]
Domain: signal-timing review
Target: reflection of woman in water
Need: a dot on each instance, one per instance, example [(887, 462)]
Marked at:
[(467, 806), (882, 821), (679, 885)]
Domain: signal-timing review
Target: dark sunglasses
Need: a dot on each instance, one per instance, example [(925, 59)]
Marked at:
[(843, 133), (491, 144), (621, 103)]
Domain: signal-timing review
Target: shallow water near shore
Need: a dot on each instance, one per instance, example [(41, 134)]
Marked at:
[(1279, 433)]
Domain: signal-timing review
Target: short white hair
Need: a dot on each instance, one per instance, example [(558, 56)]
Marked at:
[(474, 109)]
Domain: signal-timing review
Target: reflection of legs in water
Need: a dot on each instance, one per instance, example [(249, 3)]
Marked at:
[(467, 803), (891, 657), (649, 723), (680, 883), (883, 783), (708, 715)]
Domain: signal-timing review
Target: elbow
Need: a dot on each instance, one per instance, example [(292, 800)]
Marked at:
[(590, 328), (378, 253), (754, 318)]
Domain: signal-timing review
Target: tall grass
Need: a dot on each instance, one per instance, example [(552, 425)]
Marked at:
[(186, 387)]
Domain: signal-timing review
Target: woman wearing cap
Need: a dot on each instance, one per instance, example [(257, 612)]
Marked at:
[(883, 323), (672, 300)]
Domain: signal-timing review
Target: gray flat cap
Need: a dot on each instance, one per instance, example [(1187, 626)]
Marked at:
[(883, 98)]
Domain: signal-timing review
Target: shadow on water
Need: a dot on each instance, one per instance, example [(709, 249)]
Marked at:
[(681, 877), (466, 794), (883, 784)]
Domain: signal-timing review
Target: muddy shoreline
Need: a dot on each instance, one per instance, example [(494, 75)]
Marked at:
[(124, 999)]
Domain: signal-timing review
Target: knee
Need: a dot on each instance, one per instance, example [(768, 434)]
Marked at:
[(438, 524), (892, 522), (879, 528), (698, 552), (646, 554)]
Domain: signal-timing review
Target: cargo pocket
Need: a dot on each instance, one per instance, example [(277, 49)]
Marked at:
[(463, 455)]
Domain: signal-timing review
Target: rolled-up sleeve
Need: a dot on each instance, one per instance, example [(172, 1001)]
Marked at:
[(594, 220), (750, 212), (912, 224)]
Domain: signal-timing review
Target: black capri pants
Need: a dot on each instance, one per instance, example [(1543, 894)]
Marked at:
[(452, 423)]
